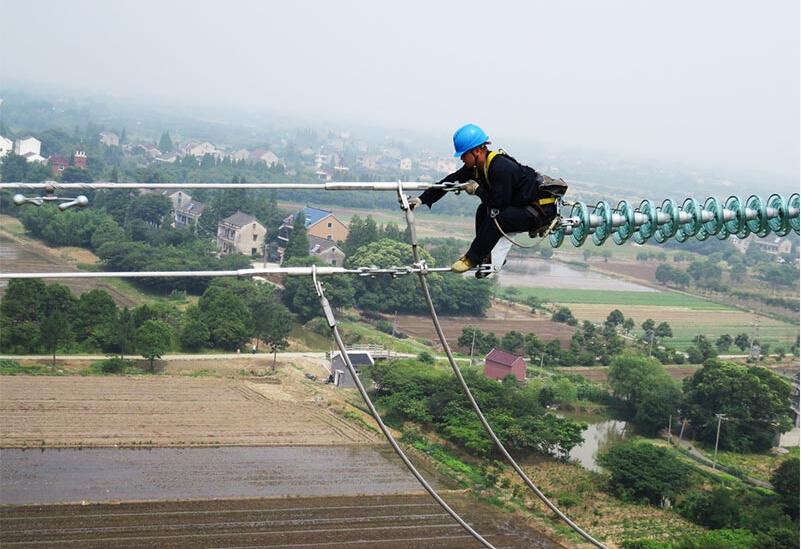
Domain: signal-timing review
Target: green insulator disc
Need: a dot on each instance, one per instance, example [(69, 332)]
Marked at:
[(625, 231), (736, 224), (602, 231), (758, 225), (723, 233), (715, 224), (691, 207), (556, 237), (793, 203), (580, 231), (667, 230), (702, 234), (779, 224), (646, 230)]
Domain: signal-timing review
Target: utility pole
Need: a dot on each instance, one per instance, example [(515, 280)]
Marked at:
[(472, 346), (670, 434), (717, 437)]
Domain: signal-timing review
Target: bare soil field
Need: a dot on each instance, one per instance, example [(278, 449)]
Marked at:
[(389, 521), (164, 410), (643, 271), (21, 254), (501, 318)]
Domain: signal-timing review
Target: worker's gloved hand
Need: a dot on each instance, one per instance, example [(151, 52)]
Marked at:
[(414, 202), (471, 187)]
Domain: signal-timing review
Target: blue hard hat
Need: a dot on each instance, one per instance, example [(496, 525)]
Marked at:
[(468, 137)]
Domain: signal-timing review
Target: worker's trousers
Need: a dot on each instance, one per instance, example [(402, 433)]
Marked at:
[(513, 219)]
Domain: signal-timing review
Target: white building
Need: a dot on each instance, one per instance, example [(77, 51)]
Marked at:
[(27, 145), (241, 233), (200, 150), (6, 146), (405, 164)]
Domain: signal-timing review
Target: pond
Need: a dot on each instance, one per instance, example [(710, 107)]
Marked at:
[(541, 273), (107, 474), (598, 436)]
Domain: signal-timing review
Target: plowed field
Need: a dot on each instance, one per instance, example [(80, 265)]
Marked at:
[(377, 521), (164, 411)]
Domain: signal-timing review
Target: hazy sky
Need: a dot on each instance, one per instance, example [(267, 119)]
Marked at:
[(700, 82)]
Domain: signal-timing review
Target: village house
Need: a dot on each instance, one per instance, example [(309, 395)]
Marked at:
[(199, 150), (326, 250), (775, 245), (58, 164), (27, 145), (240, 233), (499, 364), (405, 164), (319, 223), (186, 211), (266, 156)]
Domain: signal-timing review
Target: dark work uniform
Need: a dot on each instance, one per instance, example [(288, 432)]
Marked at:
[(510, 190)]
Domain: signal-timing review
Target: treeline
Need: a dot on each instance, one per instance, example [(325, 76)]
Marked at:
[(35, 318)]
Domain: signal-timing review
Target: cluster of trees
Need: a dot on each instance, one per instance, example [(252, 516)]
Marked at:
[(737, 517), (412, 391), (35, 317), (755, 400)]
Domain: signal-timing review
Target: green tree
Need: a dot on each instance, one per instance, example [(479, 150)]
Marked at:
[(640, 471), (165, 143), (742, 341), (14, 168), (272, 324), (152, 340), (194, 335), (650, 393), (298, 245), (55, 329), (786, 482), (663, 330), (615, 318), (126, 330), (724, 342), (512, 342), (21, 310), (755, 401), (226, 316)]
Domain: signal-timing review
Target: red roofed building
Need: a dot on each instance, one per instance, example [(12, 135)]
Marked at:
[(500, 364), (58, 164)]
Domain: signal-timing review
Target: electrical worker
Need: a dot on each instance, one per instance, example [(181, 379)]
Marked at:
[(512, 194)]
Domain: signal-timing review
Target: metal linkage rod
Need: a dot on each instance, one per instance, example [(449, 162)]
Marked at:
[(734, 217), (423, 272), (332, 323), (329, 186), (241, 273)]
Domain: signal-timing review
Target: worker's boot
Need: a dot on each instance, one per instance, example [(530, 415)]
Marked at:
[(463, 264)]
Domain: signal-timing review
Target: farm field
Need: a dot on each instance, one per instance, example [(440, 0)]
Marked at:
[(393, 521), (687, 322), (19, 253), (501, 318), (617, 297), (72, 411)]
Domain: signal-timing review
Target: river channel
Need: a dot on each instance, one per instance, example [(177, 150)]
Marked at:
[(106, 474)]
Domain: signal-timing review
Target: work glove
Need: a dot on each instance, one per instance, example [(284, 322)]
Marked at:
[(471, 187), (414, 202)]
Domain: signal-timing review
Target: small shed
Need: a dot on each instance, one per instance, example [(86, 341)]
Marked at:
[(499, 364), (340, 376)]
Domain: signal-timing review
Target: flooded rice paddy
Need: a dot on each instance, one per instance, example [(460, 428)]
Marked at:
[(109, 474), (543, 273)]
